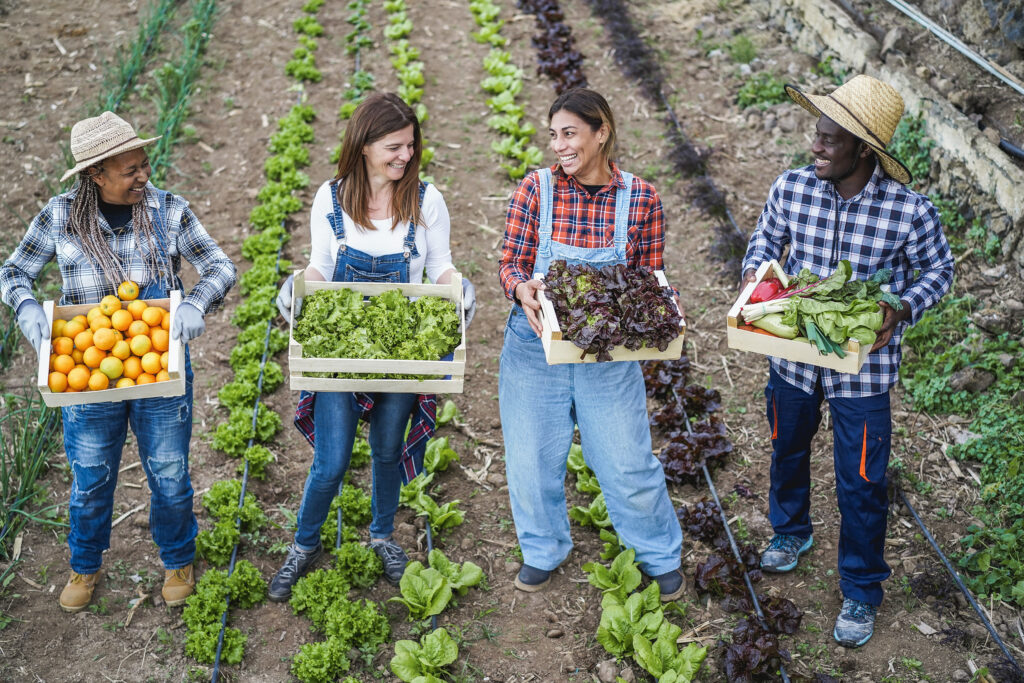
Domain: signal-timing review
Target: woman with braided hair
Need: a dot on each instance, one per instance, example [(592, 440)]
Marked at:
[(113, 226)]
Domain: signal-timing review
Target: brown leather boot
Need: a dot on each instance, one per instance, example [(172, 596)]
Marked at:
[(78, 591), (178, 585)]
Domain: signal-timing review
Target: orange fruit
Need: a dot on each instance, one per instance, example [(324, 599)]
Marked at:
[(136, 308), (166, 322), (132, 367), (57, 382), (104, 338), (99, 322), (153, 316), (160, 338), (93, 356), (120, 320), (80, 318), (83, 340), (151, 362), (124, 382), (165, 357), (57, 329), (53, 357), (162, 376), (76, 355), (128, 290), (138, 328), (121, 349), (74, 326), (140, 345), (63, 345), (145, 378), (63, 363), (78, 378), (109, 304), (93, 312), (98, 381), (111, 367)]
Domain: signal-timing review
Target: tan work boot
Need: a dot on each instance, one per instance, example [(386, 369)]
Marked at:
[(178, 585), (78, 591)]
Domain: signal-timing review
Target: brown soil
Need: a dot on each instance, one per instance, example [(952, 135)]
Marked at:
[(507, 636)]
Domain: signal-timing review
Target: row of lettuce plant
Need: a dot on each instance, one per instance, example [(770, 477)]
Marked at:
[(503, 82), (362, 82), (408, 68)]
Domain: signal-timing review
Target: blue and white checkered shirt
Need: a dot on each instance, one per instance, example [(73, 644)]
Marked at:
[(886, 225), (83, 284)]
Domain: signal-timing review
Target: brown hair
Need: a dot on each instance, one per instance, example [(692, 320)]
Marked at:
[(378, 115), (593, 108)]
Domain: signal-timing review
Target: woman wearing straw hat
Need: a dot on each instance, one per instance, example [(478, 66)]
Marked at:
[(113, 226), (852, 203)]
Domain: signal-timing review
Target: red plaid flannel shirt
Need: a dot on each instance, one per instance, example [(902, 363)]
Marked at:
[(580, 220)]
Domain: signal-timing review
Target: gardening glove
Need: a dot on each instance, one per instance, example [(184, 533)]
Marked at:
[(468, 300), (284, 299), (32, 321), (188, 323)]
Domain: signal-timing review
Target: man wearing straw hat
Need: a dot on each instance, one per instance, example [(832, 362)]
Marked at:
[(852, 203), (114, 226)]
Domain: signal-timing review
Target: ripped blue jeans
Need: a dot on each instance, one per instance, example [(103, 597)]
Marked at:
[(94, 436)]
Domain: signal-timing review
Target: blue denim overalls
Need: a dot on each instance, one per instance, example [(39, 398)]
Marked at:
[(94, 436), (336, 414), (540, 405)]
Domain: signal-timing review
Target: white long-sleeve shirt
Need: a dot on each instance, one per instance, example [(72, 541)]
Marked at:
[(432, 236)]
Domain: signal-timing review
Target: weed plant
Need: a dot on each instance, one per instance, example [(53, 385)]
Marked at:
[(131, 60), (761, 90), (911, 145)]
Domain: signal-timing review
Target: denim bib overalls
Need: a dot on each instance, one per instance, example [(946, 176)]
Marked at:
[(94, 436), (336, 414), (541, 404)]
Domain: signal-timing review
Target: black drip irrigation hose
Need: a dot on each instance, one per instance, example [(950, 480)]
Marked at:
[(960, 584), (245, 482), (732, 541)]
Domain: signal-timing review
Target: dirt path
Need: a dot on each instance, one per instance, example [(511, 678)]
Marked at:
[(505, 635)]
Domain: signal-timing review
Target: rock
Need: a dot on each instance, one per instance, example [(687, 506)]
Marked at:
[(420, 523), (745, 70), (1018, 398), (141, 521), (466, 544), (1014, 307), (789, 122), (909, 566), (962, 436), (974, 380), (943, 85), (496, 479), (607, 671), (994, 322), (769, 123), (840, 650), (511, 567), (992, 134), (890, 40), (551, 616), (555, 633), (568, 665), (995, 273), (714, 54), (406, 529), (960, 676), (1007, 360), (923, 72), (628, 675)]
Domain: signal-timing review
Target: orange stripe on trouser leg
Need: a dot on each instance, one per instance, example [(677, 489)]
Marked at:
[(775, 420), (864, 455)]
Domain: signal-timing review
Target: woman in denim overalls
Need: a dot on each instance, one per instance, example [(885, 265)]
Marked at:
[(402, 225), (587, 211), (113, 226)]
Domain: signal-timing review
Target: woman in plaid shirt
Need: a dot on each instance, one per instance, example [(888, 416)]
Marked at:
[(584, 209), (112, 226)]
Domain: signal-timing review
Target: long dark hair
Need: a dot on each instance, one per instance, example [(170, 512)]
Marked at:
[(593, 108), (378, 115)]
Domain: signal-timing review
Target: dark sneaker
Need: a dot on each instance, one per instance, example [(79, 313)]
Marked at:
[(295, 567), (783, 551), (393, 557), (855, 623), (671, 584), (531, 579)]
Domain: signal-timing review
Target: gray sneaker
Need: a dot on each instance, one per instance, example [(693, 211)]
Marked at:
[(783, 551), (393, 557), (855, 623), (295, 567)]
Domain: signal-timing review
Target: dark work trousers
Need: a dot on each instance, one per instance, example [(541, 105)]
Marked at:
[(862, 432)]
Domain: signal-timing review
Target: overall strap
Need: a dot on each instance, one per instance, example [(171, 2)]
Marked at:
[(409, 244), (337, 218), (622, 201), (547, 199)]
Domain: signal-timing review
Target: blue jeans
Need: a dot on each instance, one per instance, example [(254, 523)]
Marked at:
[(540, 405), (335, 421), (862, 431), (94, 435)]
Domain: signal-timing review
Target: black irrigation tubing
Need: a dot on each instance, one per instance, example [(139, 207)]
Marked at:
[(728, 533), (245, 482), (960, 584)]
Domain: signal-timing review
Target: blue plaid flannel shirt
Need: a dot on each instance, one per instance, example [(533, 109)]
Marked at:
[(82, 283), (885, 226)]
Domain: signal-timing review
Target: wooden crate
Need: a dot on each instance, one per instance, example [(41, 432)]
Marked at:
[(175, 386), (796, 350), (559, 351), (449, 373)]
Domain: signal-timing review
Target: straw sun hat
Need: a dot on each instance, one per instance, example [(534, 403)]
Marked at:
[(101, 137), (868, 108)]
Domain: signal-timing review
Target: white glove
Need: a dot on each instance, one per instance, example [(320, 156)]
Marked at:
[(284, 299), (468, 300), (188, 323), (32, 321)]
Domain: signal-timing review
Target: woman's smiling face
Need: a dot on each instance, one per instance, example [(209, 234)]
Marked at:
[(578, 147), (387, 157), (124, 177)]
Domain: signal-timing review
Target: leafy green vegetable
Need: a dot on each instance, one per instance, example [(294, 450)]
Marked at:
[(663, 659), (246, 585), (619, 579), (595, 515), (449, 411), (201, 644), (640, 614), (438, 455), (422, 662), (460, 577), (414, 495), (221, 501), (357, 624), (358, 564), (258, 458), (425, 591), (315, 592), (321, 662)]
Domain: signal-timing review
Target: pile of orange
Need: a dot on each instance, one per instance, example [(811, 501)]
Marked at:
[(121, 342)]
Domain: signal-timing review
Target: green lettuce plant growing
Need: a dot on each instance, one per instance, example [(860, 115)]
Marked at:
[(422, 662)]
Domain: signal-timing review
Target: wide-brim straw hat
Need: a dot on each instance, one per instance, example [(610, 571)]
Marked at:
[(869, 109), (101, 137)]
